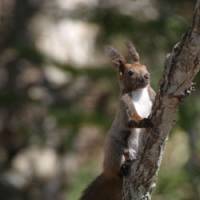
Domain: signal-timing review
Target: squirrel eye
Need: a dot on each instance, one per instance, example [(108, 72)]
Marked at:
[(130, 73)]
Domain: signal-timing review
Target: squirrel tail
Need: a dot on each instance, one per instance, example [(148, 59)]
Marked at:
[(104, 188)]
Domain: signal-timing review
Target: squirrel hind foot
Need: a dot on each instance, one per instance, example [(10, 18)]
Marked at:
[(130, 156), (126, 168)]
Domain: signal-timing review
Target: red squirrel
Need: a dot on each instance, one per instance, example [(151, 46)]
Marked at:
[(136, 98)]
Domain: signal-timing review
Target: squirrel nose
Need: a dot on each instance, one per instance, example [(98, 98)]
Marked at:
[(142, 80)]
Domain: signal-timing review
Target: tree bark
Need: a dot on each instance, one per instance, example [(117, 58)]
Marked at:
[(181, 66)]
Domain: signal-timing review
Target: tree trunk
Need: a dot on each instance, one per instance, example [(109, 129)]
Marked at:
[(181, 67)]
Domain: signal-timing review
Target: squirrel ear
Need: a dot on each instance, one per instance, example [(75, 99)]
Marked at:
[(133, 54), (117, 59)]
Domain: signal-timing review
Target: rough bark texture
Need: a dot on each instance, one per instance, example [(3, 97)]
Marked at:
[(181, 67)]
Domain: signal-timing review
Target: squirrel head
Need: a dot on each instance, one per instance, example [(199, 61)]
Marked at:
[(132, 75)]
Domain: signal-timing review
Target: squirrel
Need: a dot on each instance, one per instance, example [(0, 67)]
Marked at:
[(136, 99)]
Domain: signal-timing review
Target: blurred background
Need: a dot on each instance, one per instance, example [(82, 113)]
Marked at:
[(58, 93)]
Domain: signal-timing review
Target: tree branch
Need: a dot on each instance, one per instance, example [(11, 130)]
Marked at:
[(181, 67)]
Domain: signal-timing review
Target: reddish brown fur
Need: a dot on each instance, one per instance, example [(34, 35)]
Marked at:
[(136, 117), (103, 188)]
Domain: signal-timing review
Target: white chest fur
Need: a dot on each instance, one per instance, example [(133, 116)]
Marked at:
[(142, 102)]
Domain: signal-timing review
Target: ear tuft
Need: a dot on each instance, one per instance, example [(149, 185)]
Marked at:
[(133, 54), (116, 58)]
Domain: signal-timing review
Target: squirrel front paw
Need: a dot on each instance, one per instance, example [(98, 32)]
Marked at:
[(132, 124), (144, 123)]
